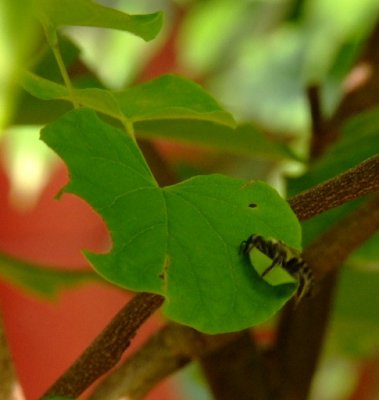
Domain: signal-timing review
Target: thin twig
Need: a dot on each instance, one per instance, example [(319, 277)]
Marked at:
[(317, 120), (352, 184), (170, 349), (107, 348)]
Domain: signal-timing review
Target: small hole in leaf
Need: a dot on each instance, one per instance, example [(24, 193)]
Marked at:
[(252, 205)]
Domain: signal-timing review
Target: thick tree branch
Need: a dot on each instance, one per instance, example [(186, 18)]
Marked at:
[(241, 362), (301, 331), (107, 348), (352, 184), (173, 347)]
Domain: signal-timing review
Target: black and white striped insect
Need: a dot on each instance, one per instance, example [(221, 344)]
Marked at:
[(286, 257)]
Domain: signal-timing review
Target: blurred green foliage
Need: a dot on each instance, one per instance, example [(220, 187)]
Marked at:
[(257, 58)]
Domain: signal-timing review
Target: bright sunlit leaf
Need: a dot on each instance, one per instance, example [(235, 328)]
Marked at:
[(54, 14), (16, 36)]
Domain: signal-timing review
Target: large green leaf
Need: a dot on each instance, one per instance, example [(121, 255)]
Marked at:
[(54, 14), (43, 281), (181, 241)]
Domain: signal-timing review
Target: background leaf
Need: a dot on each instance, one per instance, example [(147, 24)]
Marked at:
[(166, 97), (181, 241), (171, 97), (45, 282), (55, 14), (170, 107), (244, 140), (359, 141), (355, 327)]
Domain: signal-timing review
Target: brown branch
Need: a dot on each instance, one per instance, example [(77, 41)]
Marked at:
[(107, 348), (236, 371), (301, 331), (8, 378), (173, 347), (352, 184), (317, 121)]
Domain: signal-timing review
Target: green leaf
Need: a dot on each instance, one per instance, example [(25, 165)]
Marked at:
[(244, 140), (54, 14), (43, 281), (181, 241), (166, 97), (182, 111), (171, 97), (42, 88)]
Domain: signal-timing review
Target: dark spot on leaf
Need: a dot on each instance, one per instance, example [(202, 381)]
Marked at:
[(252, 205)]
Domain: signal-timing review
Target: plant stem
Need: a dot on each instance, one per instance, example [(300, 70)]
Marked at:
[(64, 73), (301, 331), (242, 363), (352, 184), (169, 350), (107, 348), (52, 40)]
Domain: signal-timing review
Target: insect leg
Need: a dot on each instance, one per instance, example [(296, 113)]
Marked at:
[(249, 244), (278, 259), (268, 269)]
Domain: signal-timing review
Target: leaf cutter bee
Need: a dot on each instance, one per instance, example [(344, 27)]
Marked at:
[(286, 257)]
